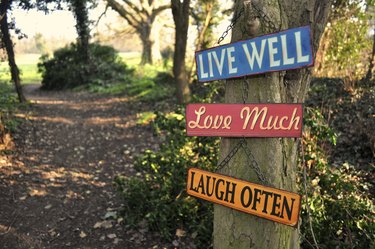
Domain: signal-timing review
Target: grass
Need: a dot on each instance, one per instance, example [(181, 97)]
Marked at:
[(149, 82), (27, 63)]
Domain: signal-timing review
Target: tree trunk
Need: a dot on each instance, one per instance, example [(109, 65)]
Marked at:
[(145, 36), (180, 11), (82, 25), (202, 36), (155, 38), (276, 157), (8, 44), (149, 36), (371, 66)]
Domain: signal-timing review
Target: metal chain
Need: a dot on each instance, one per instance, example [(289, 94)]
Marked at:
[(254, 163), (245, 94), (231, 25), (245, 90), (229, 157), (263, 16)]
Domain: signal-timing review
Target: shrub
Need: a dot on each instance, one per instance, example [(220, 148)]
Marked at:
[(159, 195), (8, 103), (67, 69), (342, 212), (341, 208)]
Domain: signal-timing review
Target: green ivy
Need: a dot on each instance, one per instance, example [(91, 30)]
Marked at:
[(159, 196)]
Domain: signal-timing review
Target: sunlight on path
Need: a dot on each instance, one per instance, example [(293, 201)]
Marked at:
[(69, 148)]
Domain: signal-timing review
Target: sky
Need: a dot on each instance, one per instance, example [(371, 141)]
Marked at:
[(55, 24)]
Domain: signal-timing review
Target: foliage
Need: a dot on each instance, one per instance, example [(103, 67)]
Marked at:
[(341, 208), (67, 68), (205, 16), (8, 103), (349, 112), (147, 84), (345, 45), (159, 195)]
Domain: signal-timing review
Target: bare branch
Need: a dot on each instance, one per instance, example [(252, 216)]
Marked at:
[(128, 16), (102, 14), (161, 8), (133, 6)]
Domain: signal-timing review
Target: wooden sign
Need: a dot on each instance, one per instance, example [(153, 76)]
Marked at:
[(289, 49), (266, 202), (247, 120)]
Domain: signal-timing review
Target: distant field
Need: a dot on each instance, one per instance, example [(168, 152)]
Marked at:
[(27, 64)]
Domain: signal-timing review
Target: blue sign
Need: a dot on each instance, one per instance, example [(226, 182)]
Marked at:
[(289, 49)]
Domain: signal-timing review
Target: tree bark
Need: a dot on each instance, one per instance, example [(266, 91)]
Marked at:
[(205, 27), (146, 45), (276, 157), (371, 66), (82, 25), (8, 44), (155, 39), (180, 11)]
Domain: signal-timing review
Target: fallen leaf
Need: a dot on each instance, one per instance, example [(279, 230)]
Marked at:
[(48, 206), (180, 233), (175, 243), (111, 236), (110, 214), (104, 224), (82, 234)]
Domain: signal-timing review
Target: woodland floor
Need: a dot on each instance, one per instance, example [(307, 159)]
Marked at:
[(56, 185)]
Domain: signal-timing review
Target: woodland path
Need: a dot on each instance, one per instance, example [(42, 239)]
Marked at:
[(56, 185)]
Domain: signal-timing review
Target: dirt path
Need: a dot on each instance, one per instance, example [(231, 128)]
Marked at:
[(56, 188)]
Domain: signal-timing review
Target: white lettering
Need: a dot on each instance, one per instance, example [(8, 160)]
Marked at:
[(210, 64), (272, 51), (203, 74), (300, 57), (286, 60), (255, 54), (220, 64), (231, 59)]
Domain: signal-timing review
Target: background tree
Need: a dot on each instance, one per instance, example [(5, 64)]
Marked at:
[(81, 15), (371, 11), (141, 15), (180, 11), (206, 16), (6, 42), (345, 44), (276, 157)]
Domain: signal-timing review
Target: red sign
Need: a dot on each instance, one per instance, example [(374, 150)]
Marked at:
[(266, 202), (244, 120)]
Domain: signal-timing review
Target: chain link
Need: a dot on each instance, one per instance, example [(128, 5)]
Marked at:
[(230, 26), (230, 155), (264, 17), (254, 163), (245, 90), (245, 94)]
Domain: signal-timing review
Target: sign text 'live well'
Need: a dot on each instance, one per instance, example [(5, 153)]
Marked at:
[(285, 50)]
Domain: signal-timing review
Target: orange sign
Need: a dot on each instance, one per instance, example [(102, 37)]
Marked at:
[(266, 202)]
